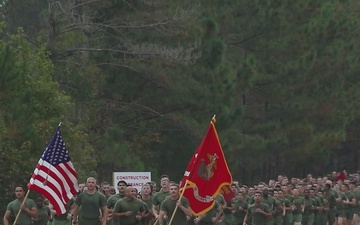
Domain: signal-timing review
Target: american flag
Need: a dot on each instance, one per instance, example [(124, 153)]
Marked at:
[(55, 176)]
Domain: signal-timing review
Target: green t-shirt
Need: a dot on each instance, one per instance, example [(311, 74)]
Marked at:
[(147, 208), (90, 205), (278, 210), (357, 196), (309, 204), (159, 198), (330, 197), (113, 199), (285, 203), (149, 202), (350, 197), (318, 203), (228, 204), (168, 206), (63, 217), (220, 199), (340, 205), (251, 201), (298, 202), (323, 201), (240, 211), (290, 197), (24, 218), (335, 192), (259, 218), (326, 205), (209, 214), (124, 205), (43, 215), (271, 202), (247, 198)]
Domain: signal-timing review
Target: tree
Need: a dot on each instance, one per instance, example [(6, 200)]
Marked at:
[(31, 106), (145, 77), (295, 78), (101, 42)]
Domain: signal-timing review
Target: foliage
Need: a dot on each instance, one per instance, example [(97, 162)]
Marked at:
[(295, 83), (136, 83), (31, 106)]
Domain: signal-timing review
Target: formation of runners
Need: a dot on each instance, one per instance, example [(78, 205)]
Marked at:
[(328, 200)]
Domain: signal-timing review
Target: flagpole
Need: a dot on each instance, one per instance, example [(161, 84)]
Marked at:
[(53, 154), (207, 173), (172, 216), (23, 202), (213, 120), (176, 207), (58, 193)]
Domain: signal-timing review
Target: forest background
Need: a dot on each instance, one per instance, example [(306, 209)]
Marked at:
[(136, 82)]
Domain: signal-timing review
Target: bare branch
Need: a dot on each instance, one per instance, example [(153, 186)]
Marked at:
[(84, 3), (180, 54), (244, 40), (118, 31), (143, 107), (183, 55), (119, 65)]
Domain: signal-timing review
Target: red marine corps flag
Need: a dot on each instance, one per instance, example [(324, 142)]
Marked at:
[(206, 173)]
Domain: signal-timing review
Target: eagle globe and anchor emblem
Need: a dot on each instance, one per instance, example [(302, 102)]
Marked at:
[(206, 172)]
